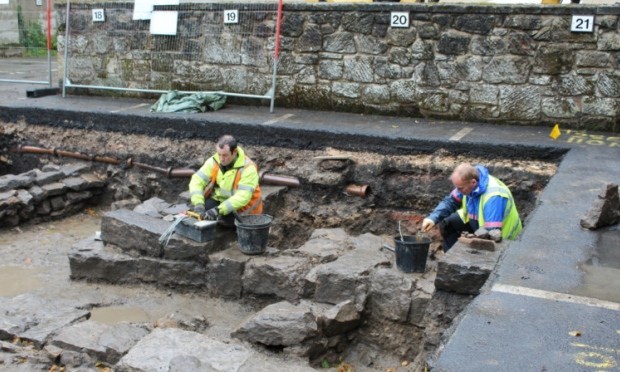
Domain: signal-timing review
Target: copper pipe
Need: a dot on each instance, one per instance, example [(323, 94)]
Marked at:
[(181, 172), (74, 155), (107, 160), (34, 150), (272, 179), (359, 190)]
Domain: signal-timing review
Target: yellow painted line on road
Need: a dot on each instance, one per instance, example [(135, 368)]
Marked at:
[(279, 118), (130, 107), (599, 348), (555, 296), (461, 133)]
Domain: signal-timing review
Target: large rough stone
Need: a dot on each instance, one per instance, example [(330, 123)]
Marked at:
[(280, 324), (390, 294), (348, 277), (418, 307), (486, 94), (90, 260), (488, 45), (370, 44), (156, 351), (609, 41), (475, 23), (326, 245), (465, 270), (75, 183), (591, 58), (43, 178), (401, 37), (341, 42), (53, 189), (358, 22), (453, 43), (553, 61), (520, 102), (338, 319), (74, 169), (574, 85), (11, 181), (134, 232), (276, 276), (76, 197), (506, 69), (605, 210), (348, 90), (600, 106), (32, 318), (225, 271), (331, 69), (563, 107), (359, 69), (422, 50), (103, 342), (311, 40), (609, 84), (92, 181)]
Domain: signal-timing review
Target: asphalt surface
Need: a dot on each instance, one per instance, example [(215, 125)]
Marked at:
[(542, 310)]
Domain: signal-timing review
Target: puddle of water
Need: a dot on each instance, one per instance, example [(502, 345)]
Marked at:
[(17, 280), (117, 314), (601, 272)]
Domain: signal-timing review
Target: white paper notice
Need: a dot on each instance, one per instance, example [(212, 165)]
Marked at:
[(164, 22), (142, 9)]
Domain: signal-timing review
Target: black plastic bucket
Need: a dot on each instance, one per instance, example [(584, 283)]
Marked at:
[(253, 232), (411, 253)]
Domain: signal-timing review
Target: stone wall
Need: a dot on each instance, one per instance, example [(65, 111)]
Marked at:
[(501, 64), (53, 192)]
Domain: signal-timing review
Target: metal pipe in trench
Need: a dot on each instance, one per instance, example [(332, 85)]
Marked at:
[(269, 179)]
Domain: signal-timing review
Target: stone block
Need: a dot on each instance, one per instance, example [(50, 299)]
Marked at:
[(279, 324), (75, 183), (74, 169), (137, 233), (276, 276), (390, 294), (44, 208), (36, 319), (103, 342), (53, 189), (11, 181), (76, 197), (90, 260), (326, 245), (92, 181), (57, 203), (174, 274), (338, 319), (347, 278), (37, 193), (464, 270), (157, 350), (224, 273), (43, 178), (417, 309), (605, 210)]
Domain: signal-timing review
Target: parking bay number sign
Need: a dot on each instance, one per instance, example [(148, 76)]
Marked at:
[(399, 19), (231, 16), (582, 23)]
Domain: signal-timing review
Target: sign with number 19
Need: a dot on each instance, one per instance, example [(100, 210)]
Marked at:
[(231, 16)]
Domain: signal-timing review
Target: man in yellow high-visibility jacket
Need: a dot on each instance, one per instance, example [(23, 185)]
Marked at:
[(478, 200), (226, 184)]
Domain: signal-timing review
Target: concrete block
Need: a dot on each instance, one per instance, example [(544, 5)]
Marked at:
[(464, 269)]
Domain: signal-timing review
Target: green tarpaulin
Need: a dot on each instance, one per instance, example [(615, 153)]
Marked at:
[(174, 101)]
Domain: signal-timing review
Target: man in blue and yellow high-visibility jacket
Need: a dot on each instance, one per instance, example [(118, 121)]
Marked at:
[(227, 183), (478, 200)]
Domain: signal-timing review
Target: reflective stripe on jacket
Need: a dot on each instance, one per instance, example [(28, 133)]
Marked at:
[(236, 189), (511, 226)]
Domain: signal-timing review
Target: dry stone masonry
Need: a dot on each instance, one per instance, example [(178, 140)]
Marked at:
[(50, 193), (503, 64)]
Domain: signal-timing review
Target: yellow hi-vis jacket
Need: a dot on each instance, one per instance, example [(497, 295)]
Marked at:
[(237, 189)]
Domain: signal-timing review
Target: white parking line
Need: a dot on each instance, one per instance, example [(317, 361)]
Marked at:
[(555, 296), (273, 121), (130, 107), (461, 133)]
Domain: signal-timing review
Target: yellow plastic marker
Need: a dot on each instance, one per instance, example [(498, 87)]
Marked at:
[(555, 132)]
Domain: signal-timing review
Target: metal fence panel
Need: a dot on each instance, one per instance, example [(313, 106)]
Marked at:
[(27, 41), (193, 47)]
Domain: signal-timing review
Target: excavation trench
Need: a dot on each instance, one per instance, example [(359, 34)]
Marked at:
[(319, 215)]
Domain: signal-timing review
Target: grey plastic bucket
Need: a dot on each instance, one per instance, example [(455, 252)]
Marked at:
[(253, 233), (411, 253)]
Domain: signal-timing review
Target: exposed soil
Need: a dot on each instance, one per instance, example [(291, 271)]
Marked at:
[(402, 188)]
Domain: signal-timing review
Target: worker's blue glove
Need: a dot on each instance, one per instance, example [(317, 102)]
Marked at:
[(211, 214), (200, 209)]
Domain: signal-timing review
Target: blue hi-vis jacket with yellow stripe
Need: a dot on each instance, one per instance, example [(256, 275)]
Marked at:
[(245, 198), (491, 204)]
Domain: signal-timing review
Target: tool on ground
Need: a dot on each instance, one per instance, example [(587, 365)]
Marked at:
[(194, 215), (193, 227)]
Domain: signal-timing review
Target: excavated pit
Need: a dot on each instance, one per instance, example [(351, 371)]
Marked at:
[(400, 187)]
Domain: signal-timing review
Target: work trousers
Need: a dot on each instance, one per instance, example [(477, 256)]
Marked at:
[(452, 227)]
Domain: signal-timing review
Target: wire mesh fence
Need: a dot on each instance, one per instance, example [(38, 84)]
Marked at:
[(193, 47), (27, 42)]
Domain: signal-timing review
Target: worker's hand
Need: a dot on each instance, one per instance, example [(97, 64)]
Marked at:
[(200, 209), (211, 214), (427, 224)]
